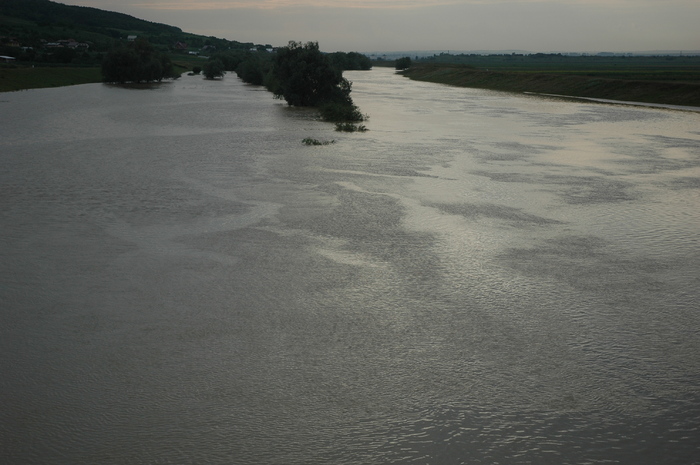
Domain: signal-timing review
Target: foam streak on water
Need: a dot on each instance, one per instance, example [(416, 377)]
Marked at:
[(480, 278)]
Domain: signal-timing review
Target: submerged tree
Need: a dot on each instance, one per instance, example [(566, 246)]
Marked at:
[(255, 69), (137, 62), (305, 77), (213, 69)]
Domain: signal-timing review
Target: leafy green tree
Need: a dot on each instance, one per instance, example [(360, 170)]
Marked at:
[(305, 77), (63, 55), (350, 61), (120, 65), (231, 58), (403, 63), (359, 61), (341, 112), (137, 62), (255, 68), (213, 69)]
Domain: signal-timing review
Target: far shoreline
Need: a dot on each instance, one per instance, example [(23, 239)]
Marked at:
[(670, 95), (620, 102), (681, 94)]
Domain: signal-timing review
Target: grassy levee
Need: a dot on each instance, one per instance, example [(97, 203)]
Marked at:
[(630, 90), (20, 78)]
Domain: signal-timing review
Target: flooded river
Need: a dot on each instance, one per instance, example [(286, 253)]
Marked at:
[(480, 278)]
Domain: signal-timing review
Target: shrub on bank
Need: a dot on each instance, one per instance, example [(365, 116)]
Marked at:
[(403, 63)]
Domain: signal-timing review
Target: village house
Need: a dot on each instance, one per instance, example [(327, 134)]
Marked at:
[(9, 42), (67, 43), (72, 43)]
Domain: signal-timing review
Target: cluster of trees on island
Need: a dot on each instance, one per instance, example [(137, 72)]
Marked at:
[(304, 76)]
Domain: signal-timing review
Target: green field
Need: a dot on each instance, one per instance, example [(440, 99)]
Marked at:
[(666, 68), (19, 78), (663, 80)]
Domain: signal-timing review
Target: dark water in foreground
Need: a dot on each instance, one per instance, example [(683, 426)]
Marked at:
[(480, 278)]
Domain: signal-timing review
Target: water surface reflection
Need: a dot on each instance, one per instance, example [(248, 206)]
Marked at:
[(480, 278)]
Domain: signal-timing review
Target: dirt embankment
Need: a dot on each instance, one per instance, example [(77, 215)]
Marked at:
[(669, 93)]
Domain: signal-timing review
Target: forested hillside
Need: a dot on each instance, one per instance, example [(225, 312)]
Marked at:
[(49, 32), (45, 12)]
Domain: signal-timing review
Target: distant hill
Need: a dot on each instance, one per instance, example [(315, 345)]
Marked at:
[(32, 24), (51, 13)]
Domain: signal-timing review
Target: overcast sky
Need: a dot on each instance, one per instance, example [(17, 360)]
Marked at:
[(457, 25)]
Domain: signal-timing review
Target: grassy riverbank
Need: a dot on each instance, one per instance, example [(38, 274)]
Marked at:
[(20, 78), (14, 77), (631, 90)]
